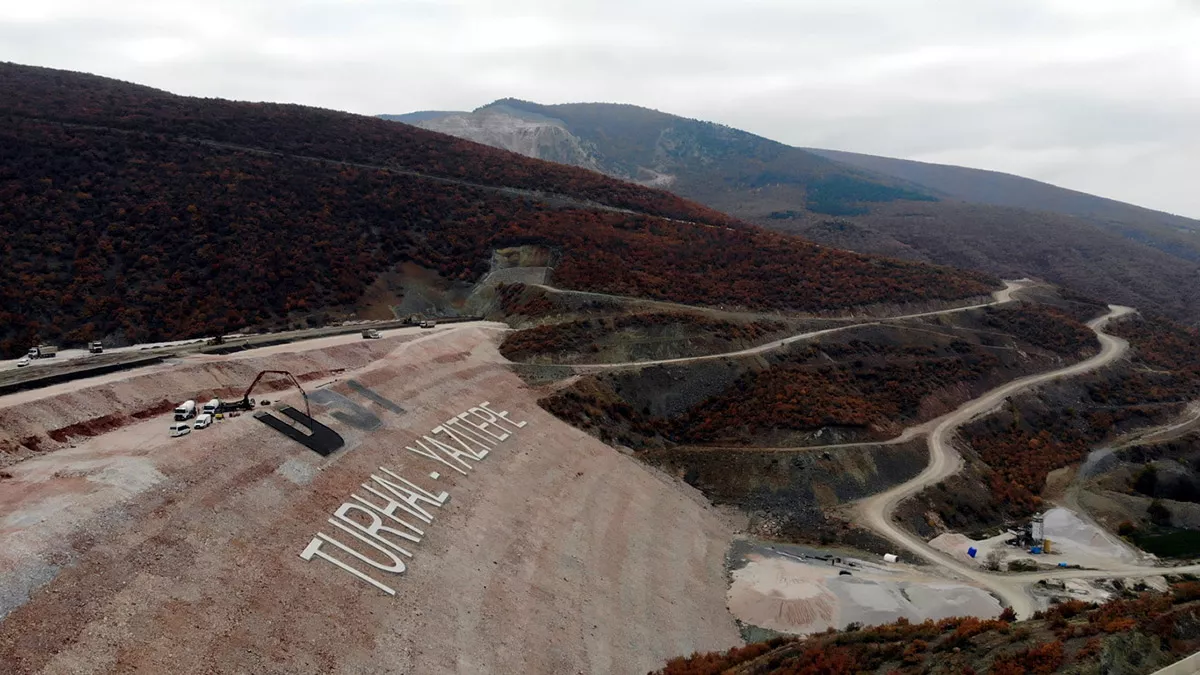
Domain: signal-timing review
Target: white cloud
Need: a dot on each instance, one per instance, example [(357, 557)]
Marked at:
[(1097, 95)]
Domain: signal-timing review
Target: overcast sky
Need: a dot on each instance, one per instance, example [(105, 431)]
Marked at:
[(1097, 95)]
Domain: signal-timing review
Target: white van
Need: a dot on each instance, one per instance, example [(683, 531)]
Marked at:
[(210, 408), (203, 421), (180, 429), (185, 411)]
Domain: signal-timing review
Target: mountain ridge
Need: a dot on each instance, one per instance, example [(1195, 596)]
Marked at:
[(989, 221), (132, 214)]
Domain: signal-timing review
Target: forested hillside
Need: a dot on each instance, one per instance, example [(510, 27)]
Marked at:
[(1169, 233), (132, 213), (1001, 225), (1137, 634), (696, 159)]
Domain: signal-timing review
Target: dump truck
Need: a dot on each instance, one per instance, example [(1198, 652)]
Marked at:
[(95, 347), (43, 352)]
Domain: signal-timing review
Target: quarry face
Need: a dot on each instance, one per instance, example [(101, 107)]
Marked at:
[(453, 526)]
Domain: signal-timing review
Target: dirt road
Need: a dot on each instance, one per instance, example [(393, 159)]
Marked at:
[(999, 297), (876, 512)]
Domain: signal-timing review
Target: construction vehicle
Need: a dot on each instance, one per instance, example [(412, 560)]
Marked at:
[(43, 352), (185, 411), (96, 347), (429, 323), (371, 334), (247, 403)]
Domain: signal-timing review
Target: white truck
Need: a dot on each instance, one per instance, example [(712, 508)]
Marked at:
[(429, 323), (211, 407), (185, 411), (371, 334), (43, 352), (96, 347)]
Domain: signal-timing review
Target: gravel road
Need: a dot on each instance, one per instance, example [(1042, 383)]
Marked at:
[(999, 297), (876, 512)]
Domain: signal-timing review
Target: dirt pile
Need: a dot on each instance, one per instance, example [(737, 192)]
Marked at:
[(554, 553)]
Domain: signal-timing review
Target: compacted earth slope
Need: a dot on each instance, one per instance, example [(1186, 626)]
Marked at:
[(131, 551)]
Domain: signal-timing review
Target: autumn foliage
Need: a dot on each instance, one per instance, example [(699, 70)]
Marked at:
[(1084, 631), (1043, 327), (126, 211), (798, 395), (1024, 443), (583, 334)]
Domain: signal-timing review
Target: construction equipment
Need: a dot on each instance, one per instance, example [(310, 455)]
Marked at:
[(185, 411), (96, 347), (43, 352), (247, 403)]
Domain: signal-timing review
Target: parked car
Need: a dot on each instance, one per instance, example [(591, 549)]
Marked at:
[(203, 421), (180, 429)]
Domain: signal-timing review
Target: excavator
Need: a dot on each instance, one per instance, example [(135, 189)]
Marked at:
[(247, 403)]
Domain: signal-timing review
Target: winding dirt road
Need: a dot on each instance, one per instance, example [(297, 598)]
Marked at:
[(876, 512), (999, 297)]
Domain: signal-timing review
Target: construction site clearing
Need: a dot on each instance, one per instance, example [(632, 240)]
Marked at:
[(453, 526), (400, 503), (52, 365)]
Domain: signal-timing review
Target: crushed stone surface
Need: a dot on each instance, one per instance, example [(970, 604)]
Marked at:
[(130, 551)]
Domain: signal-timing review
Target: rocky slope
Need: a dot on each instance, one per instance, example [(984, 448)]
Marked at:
[(1000, 224)]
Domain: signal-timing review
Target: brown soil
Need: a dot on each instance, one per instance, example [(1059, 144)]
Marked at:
[(557, 554)]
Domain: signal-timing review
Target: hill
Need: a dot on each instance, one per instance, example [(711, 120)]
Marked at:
[(999, 224), (134, 214), (1169, 233), (700, 160), (1138, 634)]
